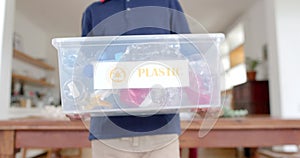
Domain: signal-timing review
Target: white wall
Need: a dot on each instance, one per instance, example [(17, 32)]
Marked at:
[(282, 23), (255, 30), (7, 8), (287, 15), (274, 88), (254, 21), (3, 108), (33, 37)]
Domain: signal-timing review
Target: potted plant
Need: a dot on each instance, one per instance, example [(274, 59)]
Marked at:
[(251, 68)]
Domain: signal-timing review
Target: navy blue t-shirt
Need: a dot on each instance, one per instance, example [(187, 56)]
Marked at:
[(133, 17)]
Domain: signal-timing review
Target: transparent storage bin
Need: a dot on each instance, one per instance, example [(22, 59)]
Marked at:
[(140, 74)]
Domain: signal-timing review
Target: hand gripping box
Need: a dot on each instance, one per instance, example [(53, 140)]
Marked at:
[(140, 74)]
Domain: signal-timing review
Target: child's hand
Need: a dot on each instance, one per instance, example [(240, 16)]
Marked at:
[(77, 117), (201, 111), (73, 117), (208, 112)]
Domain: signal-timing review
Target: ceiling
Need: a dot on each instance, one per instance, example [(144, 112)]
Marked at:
[(64, 16)]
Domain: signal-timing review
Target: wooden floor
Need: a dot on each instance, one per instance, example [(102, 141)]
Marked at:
[(64, 153), (42, 156), (214, 153), (203, 153), (209, 153), (248, 132)]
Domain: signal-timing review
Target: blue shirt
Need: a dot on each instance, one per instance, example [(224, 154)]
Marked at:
[(136, 17), (122, 17)]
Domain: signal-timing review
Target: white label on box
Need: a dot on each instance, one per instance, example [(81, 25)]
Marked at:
[(141, 74)]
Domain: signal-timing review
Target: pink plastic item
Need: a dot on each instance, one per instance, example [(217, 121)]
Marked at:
[(133, 97), (195, 91)]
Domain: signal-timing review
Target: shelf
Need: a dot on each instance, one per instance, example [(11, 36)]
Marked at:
[(26, 58), (31, 80), (31, 111), (18, 112)]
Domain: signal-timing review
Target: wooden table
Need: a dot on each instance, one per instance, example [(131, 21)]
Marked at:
[(250, 132)]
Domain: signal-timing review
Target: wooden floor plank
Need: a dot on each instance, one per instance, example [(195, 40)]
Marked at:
[(7, 144)]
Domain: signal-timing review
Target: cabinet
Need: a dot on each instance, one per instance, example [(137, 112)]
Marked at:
[(253, 96)]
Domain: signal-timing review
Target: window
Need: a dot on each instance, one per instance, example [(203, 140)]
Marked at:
[(233, 58)]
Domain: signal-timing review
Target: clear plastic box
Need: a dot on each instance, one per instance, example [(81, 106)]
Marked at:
[(140, 74)]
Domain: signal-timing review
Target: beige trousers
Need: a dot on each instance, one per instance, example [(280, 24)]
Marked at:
[(158, 146)]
